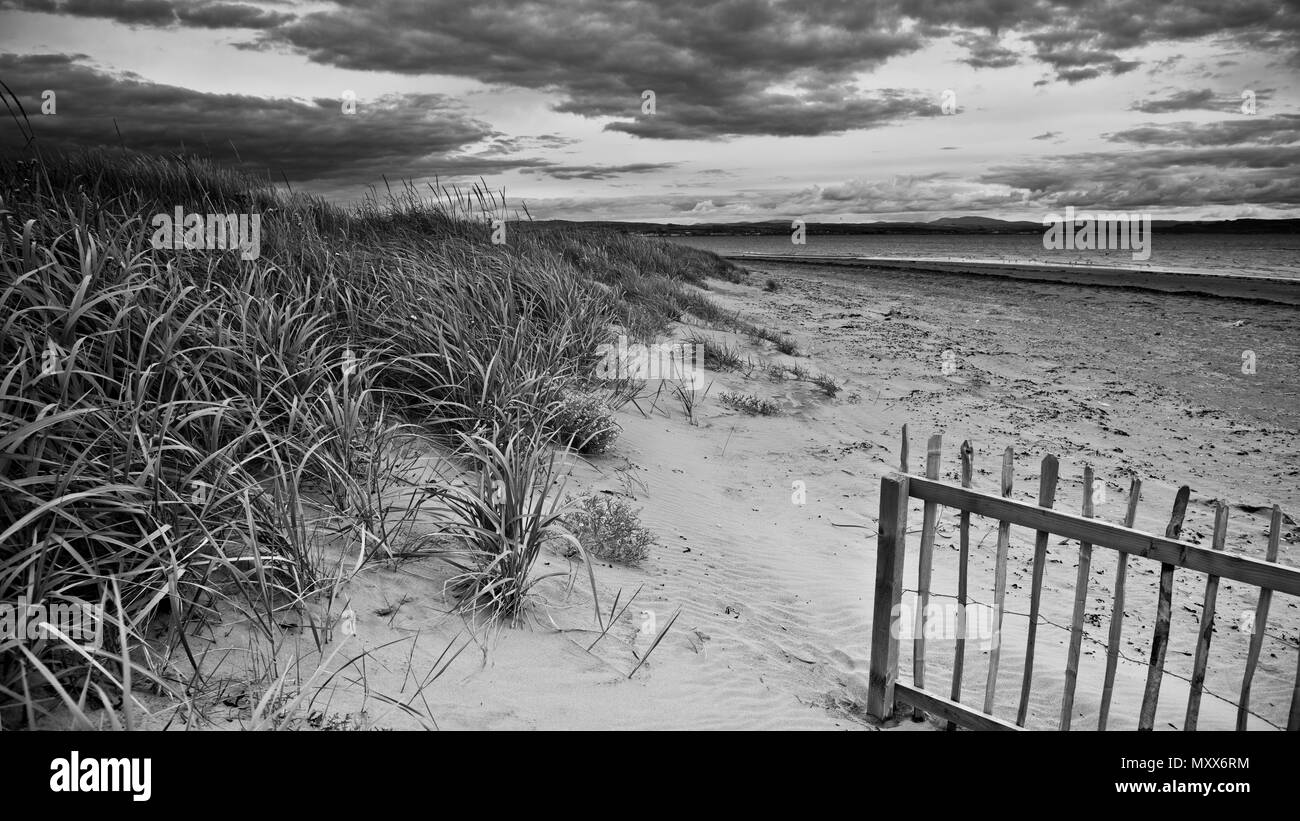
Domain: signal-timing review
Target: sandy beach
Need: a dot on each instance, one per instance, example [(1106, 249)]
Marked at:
[(775, 597)]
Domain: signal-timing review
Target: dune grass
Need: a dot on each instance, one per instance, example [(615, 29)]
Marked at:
[(181, 427), (503, 520), (749, 403)]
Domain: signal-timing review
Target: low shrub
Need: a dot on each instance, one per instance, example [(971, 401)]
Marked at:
[(748, 403), (828, 385), (609, 528), (584, 422)]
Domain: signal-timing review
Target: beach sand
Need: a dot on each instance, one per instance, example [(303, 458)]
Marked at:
[(775, 597)]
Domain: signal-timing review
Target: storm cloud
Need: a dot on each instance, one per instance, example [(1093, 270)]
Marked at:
[(424, 134)]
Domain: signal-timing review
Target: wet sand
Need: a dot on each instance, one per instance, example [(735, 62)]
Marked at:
[(1255, 288)]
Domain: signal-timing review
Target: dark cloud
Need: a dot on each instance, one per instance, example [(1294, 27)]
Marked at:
[(503, 145), (1245, 132), (1047, 135), (46, 6), (1076, 75), (735, 67), (986, 51), (128, 12), (230, 15), (1083, 39), (719, 63), (1199, 100), (1076, 57), (1110, 182), (131, 12), (1181, 165), (598, 172), (160, 13), (713, 66), (1189, 100), (413, 135), (780, 115), (994, 16), (1166, 64)]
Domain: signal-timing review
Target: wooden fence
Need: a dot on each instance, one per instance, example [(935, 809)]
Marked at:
[(886, 693)]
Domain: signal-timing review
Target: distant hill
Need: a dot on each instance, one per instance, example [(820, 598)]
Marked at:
[(944, 225), (974, 222)]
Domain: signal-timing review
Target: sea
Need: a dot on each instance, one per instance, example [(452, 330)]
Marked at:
[(1259, 255)]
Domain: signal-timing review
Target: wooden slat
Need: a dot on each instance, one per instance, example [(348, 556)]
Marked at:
[(1080, 609), (1046, 498), (890, 548), (1293, 721), (1207, 625), (1117, 613), (999, 582), (959, 660), (1103, 534), (924, 568), (1164, 612), (1261, 620), (902, 454), (956, 713)]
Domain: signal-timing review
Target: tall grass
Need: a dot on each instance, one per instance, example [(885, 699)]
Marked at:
[(504, 518), (179, 427)]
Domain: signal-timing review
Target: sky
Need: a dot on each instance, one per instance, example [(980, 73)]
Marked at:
[(821, 110)]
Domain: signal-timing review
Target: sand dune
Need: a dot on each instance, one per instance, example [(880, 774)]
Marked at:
[(775, 597)]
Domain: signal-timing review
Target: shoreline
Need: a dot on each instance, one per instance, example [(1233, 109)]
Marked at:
[(1250, 288)]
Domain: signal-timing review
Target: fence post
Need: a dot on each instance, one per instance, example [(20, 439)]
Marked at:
[(1046, 498), (1164, 613), (925, 567), (1117, 611), (1257, 634), (959, 660), (890, 547)]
